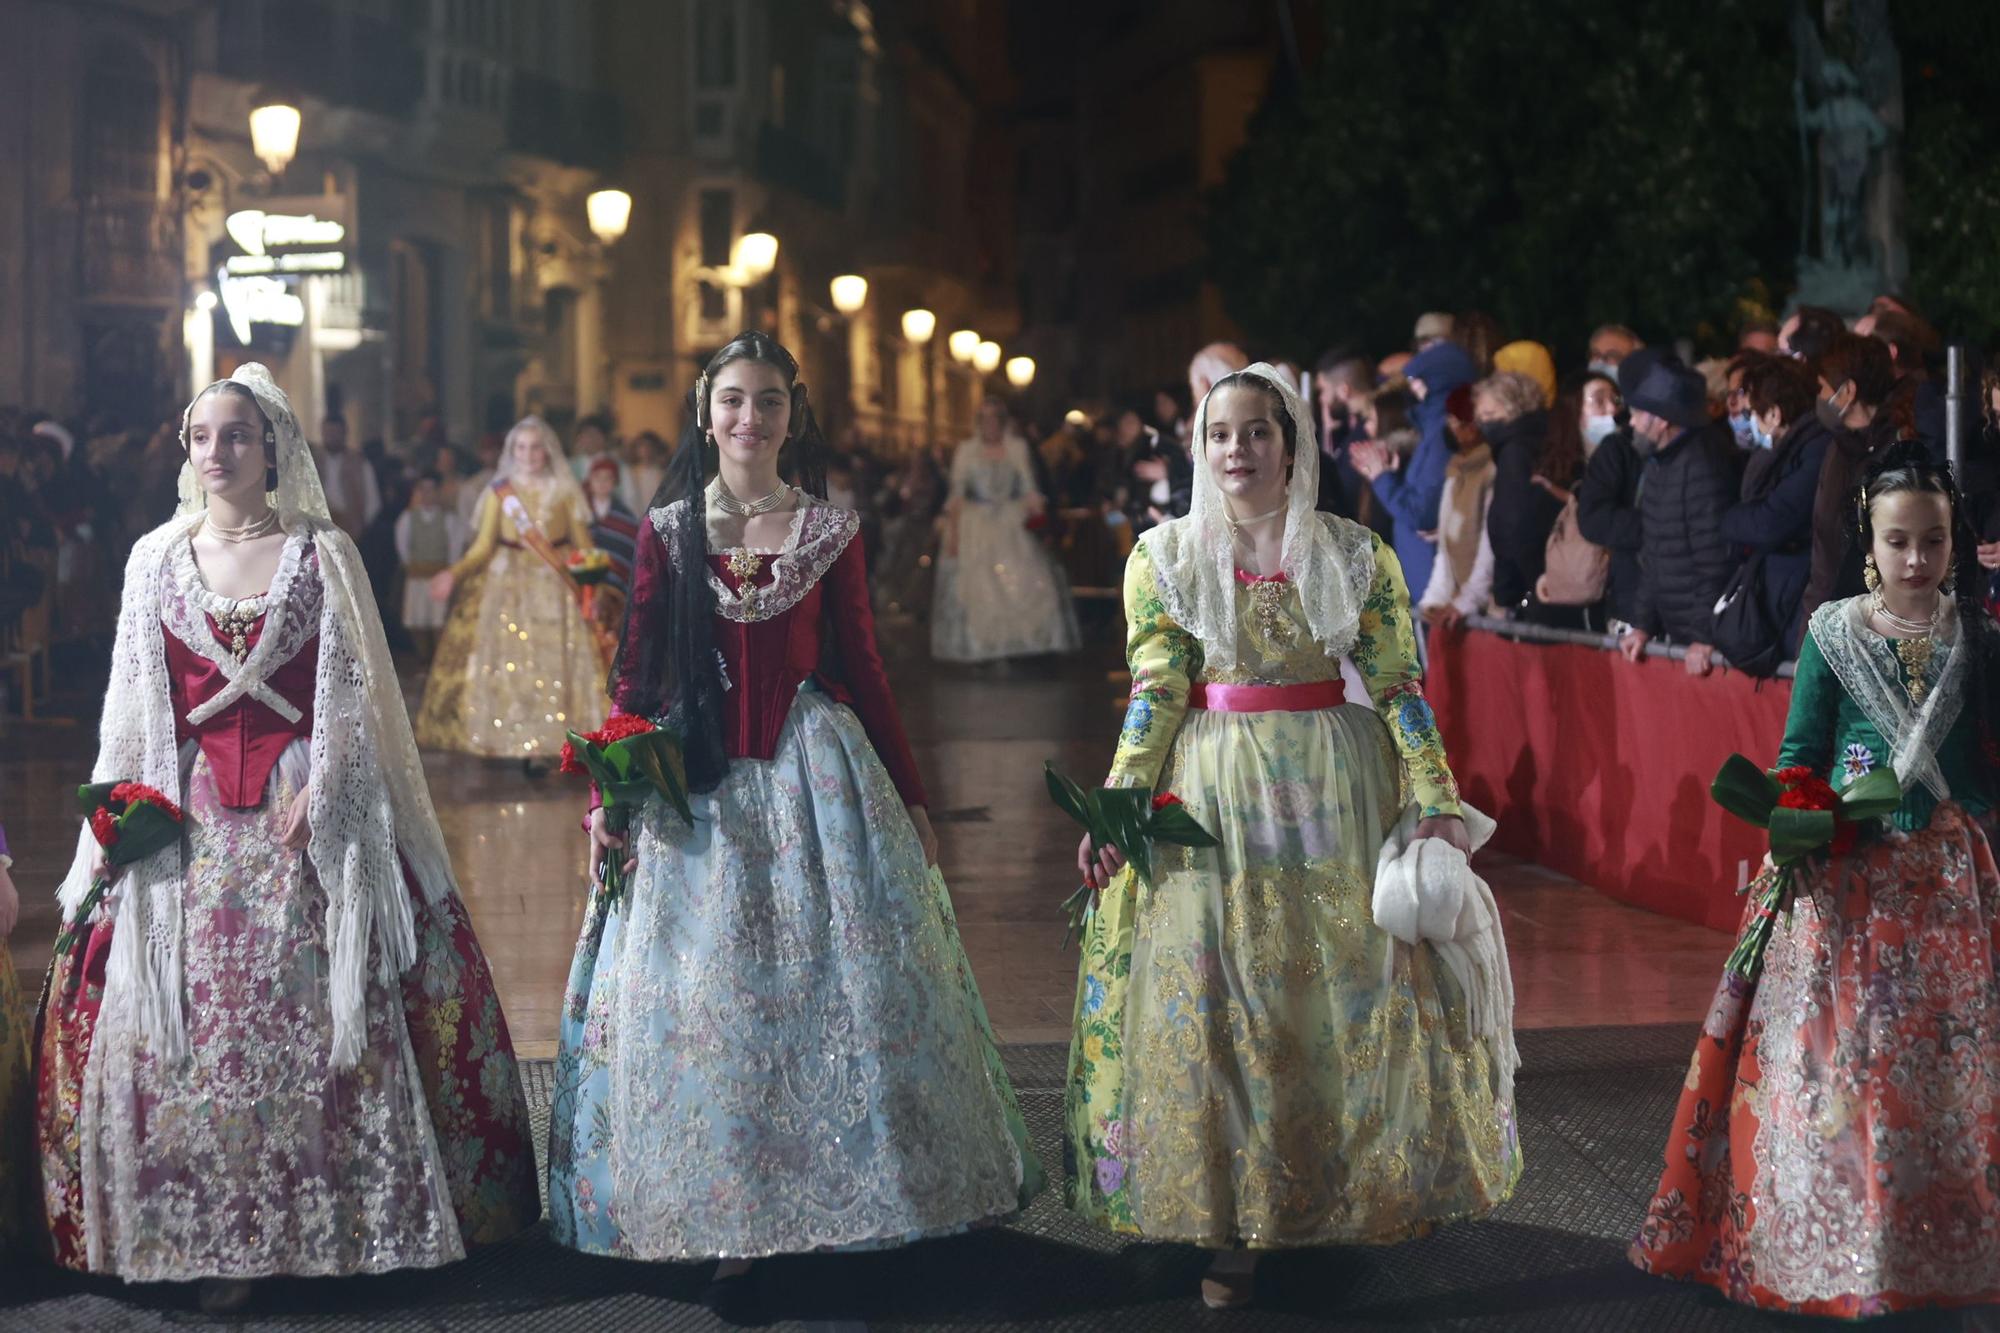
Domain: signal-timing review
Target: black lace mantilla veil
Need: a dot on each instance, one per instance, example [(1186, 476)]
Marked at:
[(668, 667)]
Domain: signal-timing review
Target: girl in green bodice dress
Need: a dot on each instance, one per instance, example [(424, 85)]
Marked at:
[(1254, 1063), (1837, 1146)]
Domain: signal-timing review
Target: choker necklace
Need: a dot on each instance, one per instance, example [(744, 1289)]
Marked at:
[(255, 528), (1893, 621), (1237, 523), (763, 504)]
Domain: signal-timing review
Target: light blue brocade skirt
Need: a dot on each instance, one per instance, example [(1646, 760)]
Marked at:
[(774, 1044)]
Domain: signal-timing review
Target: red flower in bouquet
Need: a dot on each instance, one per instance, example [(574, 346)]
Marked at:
[(1165, 799), (103, 826), (629, 760), (130, 821), (620, 728), (130, 793)]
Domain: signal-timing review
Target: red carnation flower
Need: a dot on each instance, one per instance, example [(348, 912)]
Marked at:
[(1791, 777), (1165, 799), (619, 728), (128, 794), (103, 826), (569, 763)]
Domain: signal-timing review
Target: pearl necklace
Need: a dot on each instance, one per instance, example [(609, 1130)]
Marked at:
[(251, 531), (763, 504), (1922, 628), (1238, 524)]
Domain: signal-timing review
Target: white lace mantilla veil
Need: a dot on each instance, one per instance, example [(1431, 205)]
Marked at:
[(367, 799), (1861, 661), (1330, 560), (565, 486)]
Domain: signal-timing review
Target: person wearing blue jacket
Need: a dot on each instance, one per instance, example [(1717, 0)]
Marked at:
[(1412, 490), (1776, 513)]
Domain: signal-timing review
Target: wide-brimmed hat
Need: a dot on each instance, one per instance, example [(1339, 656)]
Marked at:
[(1672, 391)]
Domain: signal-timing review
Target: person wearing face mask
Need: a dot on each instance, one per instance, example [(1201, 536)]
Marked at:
[(1513, 418), (1774, 518), (1856, 378), (1607, 499), (1256, 1064), (1691, 475), (1610, 345)]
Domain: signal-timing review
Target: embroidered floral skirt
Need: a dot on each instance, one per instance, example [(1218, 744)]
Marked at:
[(1253, 1062), (1003, 594), (516, 666), (772, 1042), (251, 1157), (1837, 1147), (17, 1105)]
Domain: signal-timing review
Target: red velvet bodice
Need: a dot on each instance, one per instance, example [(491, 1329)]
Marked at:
[(242, 741), (829, 635)]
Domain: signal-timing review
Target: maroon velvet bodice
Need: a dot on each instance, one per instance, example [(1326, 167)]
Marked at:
[(242, 741), (829, 635)]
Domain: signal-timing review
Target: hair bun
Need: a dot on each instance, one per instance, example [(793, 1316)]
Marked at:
[(1907, 455)]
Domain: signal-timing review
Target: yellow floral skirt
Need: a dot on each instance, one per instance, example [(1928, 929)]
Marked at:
[(1253, 1062), (16, 1103)]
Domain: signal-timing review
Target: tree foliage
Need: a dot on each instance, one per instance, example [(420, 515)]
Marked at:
[(1556, 163)]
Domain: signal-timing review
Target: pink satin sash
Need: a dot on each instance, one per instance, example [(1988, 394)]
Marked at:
[(1305, 698)]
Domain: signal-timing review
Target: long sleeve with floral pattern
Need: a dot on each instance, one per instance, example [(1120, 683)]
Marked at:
[(1385, 653), (1164, 659)]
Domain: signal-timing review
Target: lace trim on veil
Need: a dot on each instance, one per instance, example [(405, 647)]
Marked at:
[(1864, 663)]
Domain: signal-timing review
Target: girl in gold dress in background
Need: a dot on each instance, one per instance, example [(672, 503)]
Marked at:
[(518, 664)]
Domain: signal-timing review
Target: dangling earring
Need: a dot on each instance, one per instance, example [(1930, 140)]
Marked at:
[(1871, 577)]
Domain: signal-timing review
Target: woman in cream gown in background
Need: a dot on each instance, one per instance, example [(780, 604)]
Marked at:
[(518, 664)]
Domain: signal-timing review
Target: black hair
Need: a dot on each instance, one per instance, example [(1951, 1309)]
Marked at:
[(667, 664), (236, 390), (1907, 468)]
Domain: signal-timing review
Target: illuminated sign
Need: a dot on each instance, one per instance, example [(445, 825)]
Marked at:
[(259, 232), (333, 261), (258, 300), (307, 239)]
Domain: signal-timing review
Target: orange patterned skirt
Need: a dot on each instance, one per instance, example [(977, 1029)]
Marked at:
[(1837, 1146)]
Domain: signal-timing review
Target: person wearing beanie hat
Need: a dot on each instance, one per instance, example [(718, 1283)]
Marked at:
[(1530, 359), (1691, 476)]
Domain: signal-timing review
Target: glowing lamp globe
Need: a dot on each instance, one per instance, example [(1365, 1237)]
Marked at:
[(756, 254), (610, 213), (274, 134), (919, 325), (850, 293), (986, 357), (963, 344), (1021, 371)]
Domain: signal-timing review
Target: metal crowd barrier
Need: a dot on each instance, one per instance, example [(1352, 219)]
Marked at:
[(1529, 633)]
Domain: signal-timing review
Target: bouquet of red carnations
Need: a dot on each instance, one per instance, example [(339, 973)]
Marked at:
[(1805, 817), (589, 566), (629, 759), (130, 821), (1128, 818)]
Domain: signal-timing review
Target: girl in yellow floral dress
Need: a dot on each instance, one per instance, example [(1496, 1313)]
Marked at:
[(1255, 1064), (15, 1097)]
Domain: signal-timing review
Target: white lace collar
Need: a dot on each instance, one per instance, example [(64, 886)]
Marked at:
[(818, 534), (290, 620), (1866, 665)]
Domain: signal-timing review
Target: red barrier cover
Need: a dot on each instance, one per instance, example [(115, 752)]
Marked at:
[(1599, 768)]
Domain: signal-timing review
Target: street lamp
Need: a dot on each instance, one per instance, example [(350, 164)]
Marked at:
[(919, 325), (850, 293), (274, 133), (1021, 371), (986, 357), (610, 214), (756, 254), (963, 344)]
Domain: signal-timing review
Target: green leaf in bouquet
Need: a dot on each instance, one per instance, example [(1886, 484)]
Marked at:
[(1125, 812), (142, 830), (1794, 833), (1174, 824), (1872, 795), (1067, 795), (601, 773), (93, 794), (1745, 790), (657, 755)]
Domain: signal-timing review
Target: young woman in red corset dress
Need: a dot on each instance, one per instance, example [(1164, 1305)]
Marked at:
[(279, 1050), (771, 1041)]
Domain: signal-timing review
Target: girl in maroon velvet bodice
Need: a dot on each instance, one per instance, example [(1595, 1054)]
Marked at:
[(244, 740)]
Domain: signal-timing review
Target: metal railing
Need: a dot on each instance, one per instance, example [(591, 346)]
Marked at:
[(1526, 632)]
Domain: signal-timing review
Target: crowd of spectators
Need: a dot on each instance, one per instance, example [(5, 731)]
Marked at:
[(1705, 506)]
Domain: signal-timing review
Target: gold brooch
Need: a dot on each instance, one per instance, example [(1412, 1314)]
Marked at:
[(236, 623)]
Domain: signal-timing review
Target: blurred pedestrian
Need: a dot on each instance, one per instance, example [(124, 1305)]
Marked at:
[(429, 538), (1411, 490)]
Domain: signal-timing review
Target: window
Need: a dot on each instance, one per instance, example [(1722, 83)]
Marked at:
[(122, 121), (717, 222), (715, 41)]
